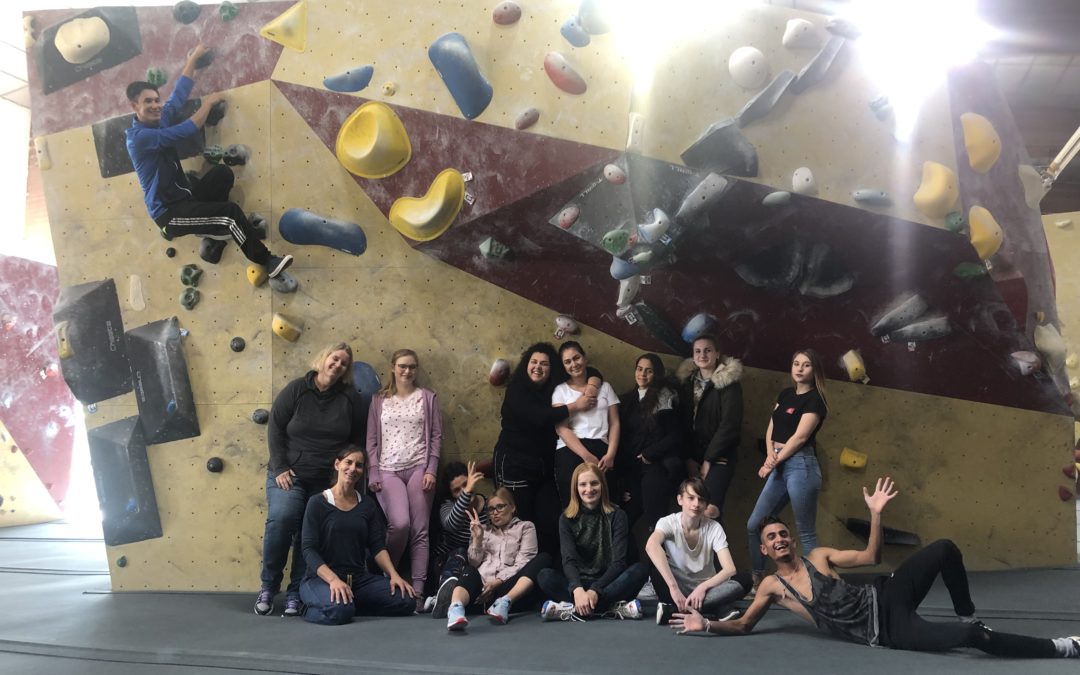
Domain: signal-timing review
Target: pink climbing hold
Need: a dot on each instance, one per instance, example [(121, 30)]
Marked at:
[(614, 174), (563, 75), (526, 119), (1069, 470), (506, 13), (1064, 494), (568, 216)]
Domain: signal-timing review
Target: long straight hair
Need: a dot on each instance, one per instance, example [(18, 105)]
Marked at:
[(574, 509), (819, 371), (390, 388)]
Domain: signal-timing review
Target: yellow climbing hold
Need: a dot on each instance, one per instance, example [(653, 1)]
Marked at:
[(986, 235), (938, 190), (981, 140), (256, 275), (372, 142), (424, 218), (289, 29), (852, 459), (853, 363), (286, 327)]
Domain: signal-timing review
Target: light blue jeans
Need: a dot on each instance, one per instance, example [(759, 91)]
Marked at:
[(797, 480)]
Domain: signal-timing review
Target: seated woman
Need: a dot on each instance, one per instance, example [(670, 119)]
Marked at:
[(340, 528), (594, 579), (503, 566), (451, 552)]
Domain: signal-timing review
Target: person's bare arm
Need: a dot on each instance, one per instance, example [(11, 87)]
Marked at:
[(883, 493), (691, 621)]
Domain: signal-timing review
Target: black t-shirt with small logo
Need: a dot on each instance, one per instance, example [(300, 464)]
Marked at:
[(790, 407)]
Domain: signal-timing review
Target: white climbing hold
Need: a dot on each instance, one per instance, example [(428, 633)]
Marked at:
[(1051, 345), (778, 198), (1062, 224), (1034, 187), (1026, 362), (703, 196), (41, 151), (135, 293), (802, 181), (800, 33), (614, 174), (748, 67), (657, 226), (566, 325), (628, 290)]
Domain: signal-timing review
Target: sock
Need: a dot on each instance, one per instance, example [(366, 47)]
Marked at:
[(1067, 647)]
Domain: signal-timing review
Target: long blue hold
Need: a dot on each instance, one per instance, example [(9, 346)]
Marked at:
[(303, 228), (351, 80), (365, 379), (451, 56)]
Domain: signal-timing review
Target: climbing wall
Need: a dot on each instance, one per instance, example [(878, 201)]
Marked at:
[(498, 175), (1062, 236)]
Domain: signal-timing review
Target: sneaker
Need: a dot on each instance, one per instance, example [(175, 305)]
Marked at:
[(292, 607), (429, 604), (455, 617), (624, 610), (499, 611), (1067, 647), (558, 611), (664, 610), (443, 598), (974, 621), (276, 265), (264, 604)]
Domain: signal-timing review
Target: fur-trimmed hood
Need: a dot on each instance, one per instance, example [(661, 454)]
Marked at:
[(728, 371)]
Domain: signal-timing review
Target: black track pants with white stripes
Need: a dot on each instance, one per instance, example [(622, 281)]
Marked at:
[(209, 213)]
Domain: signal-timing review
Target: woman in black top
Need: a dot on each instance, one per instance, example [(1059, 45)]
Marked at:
[(524, 457), (650, 460), (341, 528), (311, 418), (791, 466)]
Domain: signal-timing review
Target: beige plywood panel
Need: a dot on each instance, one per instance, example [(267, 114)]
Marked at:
[(24, 499), (394, 38)]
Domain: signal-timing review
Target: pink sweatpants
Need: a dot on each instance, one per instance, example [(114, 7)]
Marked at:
[(408, 510)]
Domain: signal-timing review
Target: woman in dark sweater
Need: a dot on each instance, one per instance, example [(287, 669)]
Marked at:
[(311, 418), (524, 457), (595, 579), (341, 528)]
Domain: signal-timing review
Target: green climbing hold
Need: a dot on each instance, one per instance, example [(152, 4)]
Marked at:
[(969, 270), (189, 275), (121, 561), (616, 241), (955, 222), (156, 76), (493, 249), (190, 297), (228, 11), (213, 154), (186, 11)]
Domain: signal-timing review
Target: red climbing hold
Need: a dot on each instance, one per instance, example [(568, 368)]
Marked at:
[(563, 75), (1064, 494)]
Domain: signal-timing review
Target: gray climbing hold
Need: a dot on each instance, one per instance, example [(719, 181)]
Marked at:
[(574, 33), (656, 227), (352, 80), (156, 76), (766, 99), (842, 28), (190, 297), (816, 70), (881, 107), (800, 33), (704, 195), (190, 274), (506, 13), (778, 198), (722, 148), (237, 344), (872, 197), (904, 313), (802, 181), (698, 325), (260, 416), (284, 283), (258, 225), (591, 17), (236, 155), (526, 118), (930, 329), (215, 465), (186, 11), (812, 285), (210, 250), (490, 248)]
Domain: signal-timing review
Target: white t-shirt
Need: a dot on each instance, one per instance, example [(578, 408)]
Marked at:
[(695, 565), (589, 423)]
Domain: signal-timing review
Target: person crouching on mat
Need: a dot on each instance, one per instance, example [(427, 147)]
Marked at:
[(503, 566), (341, 527), (884, 613)]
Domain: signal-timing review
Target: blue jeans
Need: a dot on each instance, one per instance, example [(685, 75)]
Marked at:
[(798, 480), (371, 597), (626, 586), (284, 516)]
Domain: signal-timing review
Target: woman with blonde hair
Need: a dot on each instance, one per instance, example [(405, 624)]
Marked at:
[(404, 440), (311, 418), (593, 535)]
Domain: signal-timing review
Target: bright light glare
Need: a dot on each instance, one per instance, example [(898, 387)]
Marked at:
[(909, 48)]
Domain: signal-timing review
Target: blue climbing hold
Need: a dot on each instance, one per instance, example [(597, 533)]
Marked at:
[(623, 269), (304, 228), (698, 325), (132, 505), (170, 407), (574, 33), (451, 56), (351, 80), (365, 379)]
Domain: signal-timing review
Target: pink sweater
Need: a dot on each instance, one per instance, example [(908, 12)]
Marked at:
[(502, 553), (432, 435)]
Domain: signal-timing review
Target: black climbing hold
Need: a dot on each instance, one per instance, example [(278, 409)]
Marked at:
[(861, 528), (186, 11), (170, 252), (722, 148), (260, 416), (215, 465), (258, 225), (237, 344), (210, 250), (217, 113), (189, 275), (236, 155), (121, 561), (204, 60)]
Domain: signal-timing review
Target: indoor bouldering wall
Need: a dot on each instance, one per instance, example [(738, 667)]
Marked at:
[(451, 177)]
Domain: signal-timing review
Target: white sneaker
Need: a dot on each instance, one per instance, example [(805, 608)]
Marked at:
[(624, 610), (429, 604), (558, 611)]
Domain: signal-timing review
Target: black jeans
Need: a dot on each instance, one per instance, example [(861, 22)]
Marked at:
[(566, 460), (624, 587), (470, 580), (210, 213), (532, 482), (900, 594), (718, 481)]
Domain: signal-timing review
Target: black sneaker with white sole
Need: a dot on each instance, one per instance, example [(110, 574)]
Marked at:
[(664, 610), (276, 265), (443, 598)]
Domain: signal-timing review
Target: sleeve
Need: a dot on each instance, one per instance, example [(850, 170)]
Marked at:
[(177, 98), (570, 561), (454, 514), (717, 537), (619, 530), (563, 395), (519, 405), (311, 537), (665, 525), (358, 428), (434, 441), (725, 439), (527, 549), (609, 395), (376, 537), (277, 436), (373, 438), (816, 405), (150, 139)]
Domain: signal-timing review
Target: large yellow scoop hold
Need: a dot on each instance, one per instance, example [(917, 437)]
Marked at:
[(372, 142), (289, 29), (938, 190), (981, 141), (425, 218), (986, 234)]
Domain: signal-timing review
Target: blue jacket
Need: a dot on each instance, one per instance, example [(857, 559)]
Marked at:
[(153, 153)]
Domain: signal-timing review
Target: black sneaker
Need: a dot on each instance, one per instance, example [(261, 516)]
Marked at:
[(264, 604), (664, 610), (276, 265), (293, 607), (443, 598)]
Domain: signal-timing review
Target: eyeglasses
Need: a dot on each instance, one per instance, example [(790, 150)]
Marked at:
[(498, 508), (406, 366)]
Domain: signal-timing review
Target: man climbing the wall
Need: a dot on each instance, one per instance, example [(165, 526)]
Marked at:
[(883, 613), (175, 205)]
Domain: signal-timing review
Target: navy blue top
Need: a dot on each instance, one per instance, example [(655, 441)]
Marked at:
[(153, 153), (340, 539)]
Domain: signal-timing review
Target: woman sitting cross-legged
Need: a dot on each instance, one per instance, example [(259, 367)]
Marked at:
[(594, 579), (341, 526), (503, 566)]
